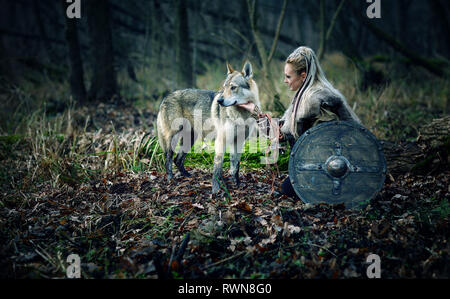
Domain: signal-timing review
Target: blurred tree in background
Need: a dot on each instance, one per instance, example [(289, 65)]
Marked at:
[(165, 45)]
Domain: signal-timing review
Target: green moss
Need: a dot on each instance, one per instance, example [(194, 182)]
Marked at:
[(10, 139)]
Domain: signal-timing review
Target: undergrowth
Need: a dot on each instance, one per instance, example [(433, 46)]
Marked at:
[(46, 138)]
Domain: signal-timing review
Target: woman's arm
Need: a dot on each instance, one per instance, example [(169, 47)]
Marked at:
[(253, 109)]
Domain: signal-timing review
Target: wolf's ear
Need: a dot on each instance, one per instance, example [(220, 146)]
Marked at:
[(247, 70), (229, 68)]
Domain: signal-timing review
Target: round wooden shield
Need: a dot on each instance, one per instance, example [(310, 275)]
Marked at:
[(337, 162)]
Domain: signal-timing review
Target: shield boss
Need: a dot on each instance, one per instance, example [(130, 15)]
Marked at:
[(337, 162)]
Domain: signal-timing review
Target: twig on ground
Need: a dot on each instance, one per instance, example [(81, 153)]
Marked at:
[(169, 267), (182, 249), (224, 260), (309, 244), (186, 218)]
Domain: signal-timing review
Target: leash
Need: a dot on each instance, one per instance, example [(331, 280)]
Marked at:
[(267, 119)]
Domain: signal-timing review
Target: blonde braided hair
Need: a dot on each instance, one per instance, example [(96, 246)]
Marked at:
[(303, 59)]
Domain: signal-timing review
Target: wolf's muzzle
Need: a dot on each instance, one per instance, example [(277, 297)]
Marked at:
[(220, 100)]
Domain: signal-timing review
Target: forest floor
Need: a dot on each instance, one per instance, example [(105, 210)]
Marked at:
[(133, 224)]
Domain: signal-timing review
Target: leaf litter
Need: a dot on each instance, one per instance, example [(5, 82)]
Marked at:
[(137, 225)]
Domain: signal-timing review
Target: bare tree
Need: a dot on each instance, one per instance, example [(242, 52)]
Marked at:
[(440, 10), (183, 53), (266, 58), (77, 86), (7, 71), (104, 85), (324, 37), (41, 27), (157, 31)]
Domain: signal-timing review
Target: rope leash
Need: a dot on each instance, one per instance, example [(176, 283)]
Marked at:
[(262, 119)]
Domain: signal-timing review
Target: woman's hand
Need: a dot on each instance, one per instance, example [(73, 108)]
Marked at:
[(250, 107)]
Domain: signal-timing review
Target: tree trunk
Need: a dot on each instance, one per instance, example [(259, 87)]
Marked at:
[(277, 32), (426, 156), (439, 10), (326, 36), (7, 71), (183, 50), (436, 134), (156, 30), (321, 50), (268, 85), (77, 86), (104, 85), (41, 27), (244, 28), (401, 158)]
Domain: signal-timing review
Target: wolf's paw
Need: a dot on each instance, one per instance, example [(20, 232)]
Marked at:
[(186, 174), (215, 188), (236, 181)]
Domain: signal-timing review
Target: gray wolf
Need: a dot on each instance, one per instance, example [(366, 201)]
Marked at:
[(224, 120)]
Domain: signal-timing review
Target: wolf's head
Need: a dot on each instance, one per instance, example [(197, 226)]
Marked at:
[(239, 87)]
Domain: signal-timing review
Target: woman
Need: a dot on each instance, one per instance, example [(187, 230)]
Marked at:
[(315, 100)]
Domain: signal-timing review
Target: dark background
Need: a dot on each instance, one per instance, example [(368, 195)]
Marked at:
[(179, 39)]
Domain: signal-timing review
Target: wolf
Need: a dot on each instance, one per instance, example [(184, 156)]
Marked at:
[(225, 120)]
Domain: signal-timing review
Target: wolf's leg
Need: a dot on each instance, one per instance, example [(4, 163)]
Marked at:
[(235, 161), (179, 162), (235, 158), (179, 158), (241, 134), (219, 148), (169, 156)]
